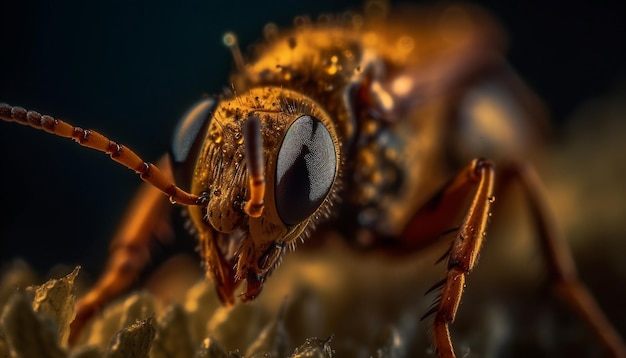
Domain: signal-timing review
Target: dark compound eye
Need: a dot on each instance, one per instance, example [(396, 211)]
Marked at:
[(187, 140), (305, 170), (189, 127)]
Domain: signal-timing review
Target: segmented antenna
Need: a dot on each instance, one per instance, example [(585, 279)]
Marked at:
[(253, 150), (230, 40), (94, 140)]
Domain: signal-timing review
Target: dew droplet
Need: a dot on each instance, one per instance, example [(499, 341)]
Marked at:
[(216, 137), (270, 31), (239, 138), (405, 44), (492, 198), (357, 21), (172, 200), (302, 22)]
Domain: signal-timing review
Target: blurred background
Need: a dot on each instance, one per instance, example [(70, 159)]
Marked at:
[(130, 69)]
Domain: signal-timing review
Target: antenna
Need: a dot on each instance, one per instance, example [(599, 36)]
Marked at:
[(148, 172), (253, 149), (230, 40)]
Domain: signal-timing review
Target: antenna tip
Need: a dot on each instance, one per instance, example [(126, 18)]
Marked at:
[(230, 39)]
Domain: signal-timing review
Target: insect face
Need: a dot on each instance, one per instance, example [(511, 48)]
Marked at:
[(300, 155)]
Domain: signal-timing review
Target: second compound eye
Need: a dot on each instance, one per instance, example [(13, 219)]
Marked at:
[(305, 169)]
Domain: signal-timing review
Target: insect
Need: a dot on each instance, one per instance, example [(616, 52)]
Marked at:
[(351, 120)]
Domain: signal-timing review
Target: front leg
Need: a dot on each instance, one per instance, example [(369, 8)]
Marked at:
[(465, 248), (146, 221)]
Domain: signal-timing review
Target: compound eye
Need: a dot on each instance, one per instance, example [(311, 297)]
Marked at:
[(189, 127), (305, 170)]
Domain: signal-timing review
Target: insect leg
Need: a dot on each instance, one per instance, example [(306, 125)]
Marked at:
[(145, 221), (478, 176), (559, 258)]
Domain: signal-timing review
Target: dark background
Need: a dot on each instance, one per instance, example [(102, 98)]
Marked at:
[(129, 70)]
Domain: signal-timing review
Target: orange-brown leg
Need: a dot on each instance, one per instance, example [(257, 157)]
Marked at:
[(146, 220), (479, 176), (559, 259)]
